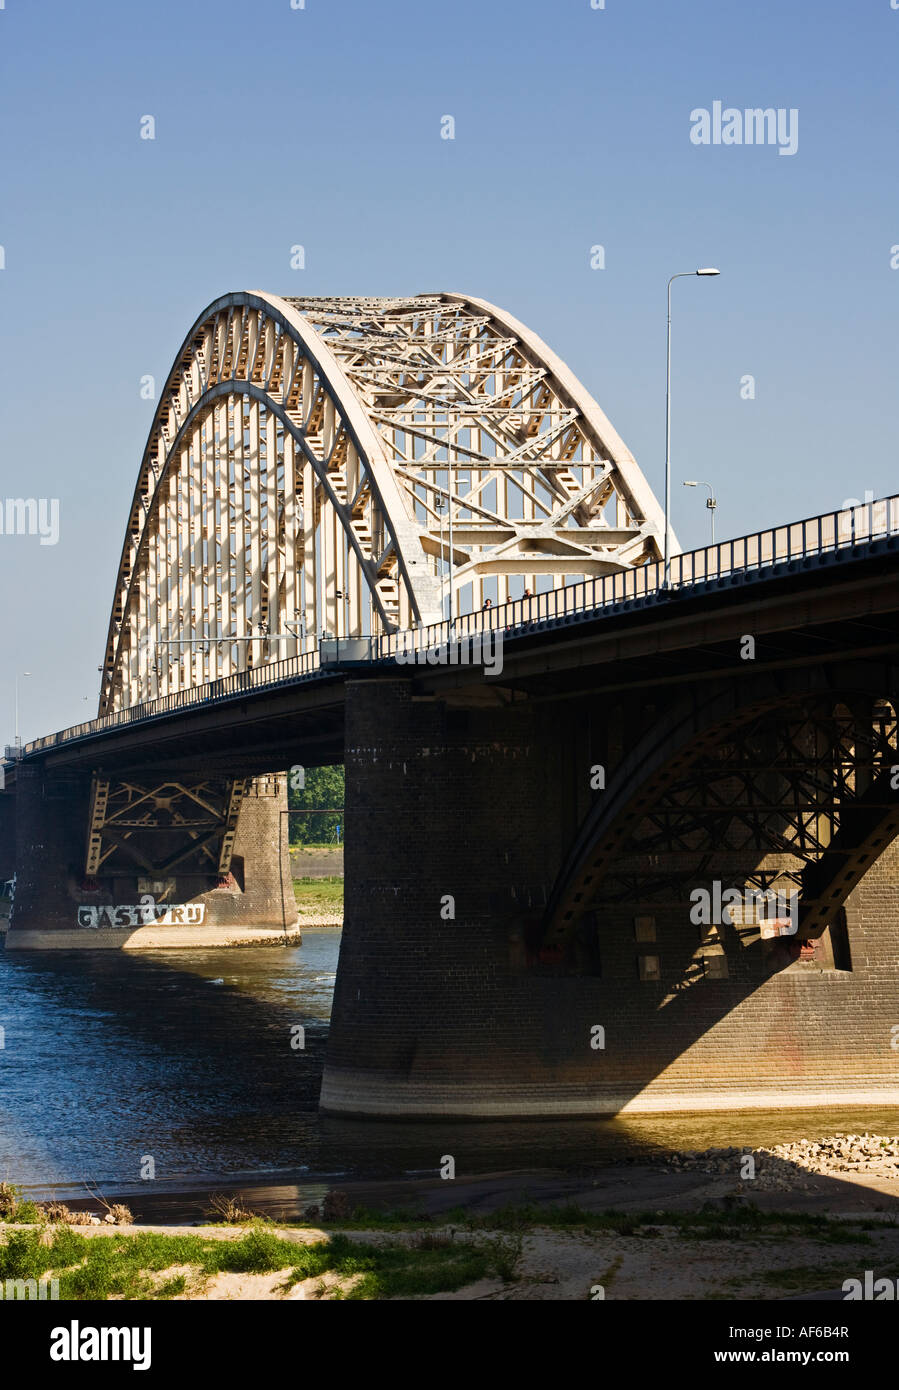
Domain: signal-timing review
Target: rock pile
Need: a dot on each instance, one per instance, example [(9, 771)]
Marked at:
[(845, 1153), (786, 1167)]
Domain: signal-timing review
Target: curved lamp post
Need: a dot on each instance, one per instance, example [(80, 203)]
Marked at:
[(707, 270), (711, 501)]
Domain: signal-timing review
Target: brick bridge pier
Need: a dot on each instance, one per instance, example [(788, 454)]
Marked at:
[(520, 936)]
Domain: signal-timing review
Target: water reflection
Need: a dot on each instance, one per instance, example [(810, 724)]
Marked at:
[(187, 1057)]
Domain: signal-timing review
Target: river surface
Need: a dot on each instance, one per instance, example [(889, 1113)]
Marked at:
[(186, 1057)]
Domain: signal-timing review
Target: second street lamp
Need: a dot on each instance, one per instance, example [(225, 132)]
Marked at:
[(20, 675), (711, 501), (707, 270)]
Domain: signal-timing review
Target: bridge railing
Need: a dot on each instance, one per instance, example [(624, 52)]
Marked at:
[(846, 529), (291, 668), (800, 540)]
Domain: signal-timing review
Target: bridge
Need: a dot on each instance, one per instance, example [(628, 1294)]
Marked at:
[(550, 797)]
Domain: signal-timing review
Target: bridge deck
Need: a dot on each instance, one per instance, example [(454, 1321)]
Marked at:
[(858, 547)]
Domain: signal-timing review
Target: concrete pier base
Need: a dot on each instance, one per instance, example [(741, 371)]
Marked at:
[(153, 939)]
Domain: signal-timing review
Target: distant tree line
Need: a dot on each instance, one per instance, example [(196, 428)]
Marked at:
[(320, 798)]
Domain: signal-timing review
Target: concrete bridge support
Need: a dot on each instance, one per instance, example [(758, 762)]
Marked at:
[(447, 1004), (57, 907)]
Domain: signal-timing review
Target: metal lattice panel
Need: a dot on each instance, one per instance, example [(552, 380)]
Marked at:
[(159, 827), (338, 465), (809, 787)]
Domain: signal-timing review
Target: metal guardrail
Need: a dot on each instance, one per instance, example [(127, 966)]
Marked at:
[(845, 530), (744, 556), (292, 668)]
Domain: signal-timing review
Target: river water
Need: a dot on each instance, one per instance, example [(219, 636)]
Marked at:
[(186, 1057)]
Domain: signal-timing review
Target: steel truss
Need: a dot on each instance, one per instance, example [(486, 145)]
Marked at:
[(350, 466), (159, 827), (803, 796)]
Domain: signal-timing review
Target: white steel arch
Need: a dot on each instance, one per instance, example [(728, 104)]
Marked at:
[(309, 458)]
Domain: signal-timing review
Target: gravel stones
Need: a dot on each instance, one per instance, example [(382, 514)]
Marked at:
[(786, 1167)]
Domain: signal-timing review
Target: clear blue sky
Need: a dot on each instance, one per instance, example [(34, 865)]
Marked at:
[(321, 126)]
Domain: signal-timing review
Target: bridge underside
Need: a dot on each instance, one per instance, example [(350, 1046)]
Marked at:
[(527, 901)]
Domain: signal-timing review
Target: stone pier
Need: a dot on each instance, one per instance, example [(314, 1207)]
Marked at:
[(56, 907)]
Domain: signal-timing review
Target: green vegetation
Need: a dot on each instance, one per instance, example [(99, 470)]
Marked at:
[(13, 1207), (741, 1222), (319, 894), (321, 798), (101, 1267), (424, 1255)]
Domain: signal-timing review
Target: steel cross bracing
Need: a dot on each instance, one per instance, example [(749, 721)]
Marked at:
[(309, 459), (790, 785), (476, 413), (158, 827)]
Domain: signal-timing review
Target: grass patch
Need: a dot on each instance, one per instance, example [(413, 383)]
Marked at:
[(29, 1213), (319, 894), (733, 1223), (445, 1253), (102, 1267), (431, 1265), (170, 1288), (741, 1221), (13, 1207)]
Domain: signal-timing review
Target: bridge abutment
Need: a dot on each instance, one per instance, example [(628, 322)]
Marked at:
[(56, 907)]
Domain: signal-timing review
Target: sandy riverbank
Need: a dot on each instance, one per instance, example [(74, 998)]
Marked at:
[(687, 1227), (655, 1259)]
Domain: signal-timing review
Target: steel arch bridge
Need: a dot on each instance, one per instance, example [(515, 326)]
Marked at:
[(351, 466)]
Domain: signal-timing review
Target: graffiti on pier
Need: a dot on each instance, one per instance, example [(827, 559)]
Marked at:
[(147, 913)]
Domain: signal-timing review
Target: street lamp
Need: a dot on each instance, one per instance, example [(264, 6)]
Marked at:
[(711, 502), (439, 508), (449, 509), (18, 678), (707, 270), (344, 594)]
